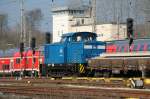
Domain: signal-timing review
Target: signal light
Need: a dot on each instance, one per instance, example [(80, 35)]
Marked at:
[(48, 38), (21, 47), (33, 43), (130, 31), (129, 27)]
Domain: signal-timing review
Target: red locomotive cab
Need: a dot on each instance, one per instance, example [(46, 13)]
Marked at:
[(17, 62), (5, 65), (1, 64), (28, 62), (36, 59), (32, 61)]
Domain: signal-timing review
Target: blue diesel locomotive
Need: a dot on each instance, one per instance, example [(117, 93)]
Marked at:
[(70, 56)]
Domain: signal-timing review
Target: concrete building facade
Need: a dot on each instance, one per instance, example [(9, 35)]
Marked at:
[(105, 32), (67, 20)]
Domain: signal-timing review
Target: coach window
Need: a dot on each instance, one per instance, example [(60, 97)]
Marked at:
[(126, 47), (148, 47), (18, 60), (122, 49), (141, 48), (118, 49), (27, 60), (5, 67), (135, 47)]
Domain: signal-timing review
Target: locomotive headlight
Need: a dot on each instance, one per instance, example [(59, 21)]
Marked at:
[(86, 59), (53, 65)]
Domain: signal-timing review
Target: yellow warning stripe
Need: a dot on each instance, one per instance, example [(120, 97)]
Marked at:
[(81, 68), (147, 81)]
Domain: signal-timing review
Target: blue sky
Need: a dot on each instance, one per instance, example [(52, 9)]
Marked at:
[(12, 8)]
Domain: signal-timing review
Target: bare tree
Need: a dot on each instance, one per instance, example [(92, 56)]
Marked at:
[(33, 22), (33, 18), (3, 24), (3, 30)]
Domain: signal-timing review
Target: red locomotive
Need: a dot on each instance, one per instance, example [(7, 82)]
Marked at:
[(27, 64), (5, 65)]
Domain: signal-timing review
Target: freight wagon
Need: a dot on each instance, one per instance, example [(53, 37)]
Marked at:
[(123, 60)]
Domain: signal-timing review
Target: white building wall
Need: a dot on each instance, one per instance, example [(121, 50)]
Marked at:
[(108, 32), (65, 21), (60, 26), (105, 32)]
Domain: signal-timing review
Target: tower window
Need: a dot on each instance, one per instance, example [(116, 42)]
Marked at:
[(82, 21)]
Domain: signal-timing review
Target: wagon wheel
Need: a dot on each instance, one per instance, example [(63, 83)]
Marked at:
[(107, 74)]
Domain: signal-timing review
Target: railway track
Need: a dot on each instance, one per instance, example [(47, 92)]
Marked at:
[(91, 88), (113, 82), (108, 82), (70, 91)]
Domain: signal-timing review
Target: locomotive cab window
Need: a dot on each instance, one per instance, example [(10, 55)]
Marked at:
[(63, 39), (79, 38), (84, 37)]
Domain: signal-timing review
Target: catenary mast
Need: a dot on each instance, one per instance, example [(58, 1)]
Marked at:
[(93, 15), (23, 26)]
